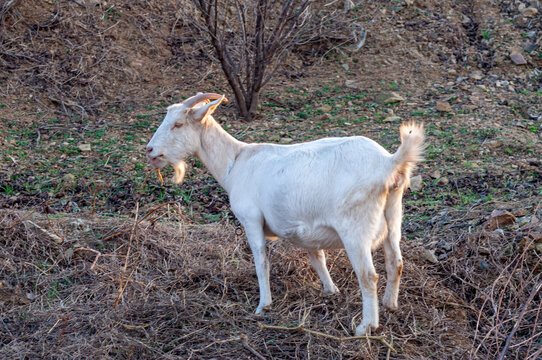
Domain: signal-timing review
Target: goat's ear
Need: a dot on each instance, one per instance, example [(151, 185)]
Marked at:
[(201, 113)]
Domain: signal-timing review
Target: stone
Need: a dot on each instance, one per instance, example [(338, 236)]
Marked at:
[(443, 181), (324, 108), (517, 58), (435, 174), (348, 5), (476, 75), (352, 84), (416, 183), (286, 140), (443, 106), (389, 98), (430, 256), (345, 66), (274, 138), (84, 147), (499, 218), (529, 12), (392, 118)]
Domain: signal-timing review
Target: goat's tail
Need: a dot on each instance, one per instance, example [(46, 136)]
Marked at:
[(409, 153)]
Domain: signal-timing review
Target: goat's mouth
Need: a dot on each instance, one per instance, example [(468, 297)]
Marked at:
[(158, 163)]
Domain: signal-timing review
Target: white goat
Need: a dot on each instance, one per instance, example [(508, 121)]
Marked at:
[(330, 193)]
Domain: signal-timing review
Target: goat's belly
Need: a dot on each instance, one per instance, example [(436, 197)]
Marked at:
[(321, 237)]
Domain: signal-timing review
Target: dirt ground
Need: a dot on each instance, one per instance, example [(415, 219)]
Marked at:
[(99, 259)]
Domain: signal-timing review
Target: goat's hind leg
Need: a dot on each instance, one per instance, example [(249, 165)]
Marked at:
[(392, 250), (318, 261), (358, 248)]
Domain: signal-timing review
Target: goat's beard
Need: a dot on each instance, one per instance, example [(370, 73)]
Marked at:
[(179, 171)]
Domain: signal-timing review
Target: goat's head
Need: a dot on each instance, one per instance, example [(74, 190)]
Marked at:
[(180, 132)]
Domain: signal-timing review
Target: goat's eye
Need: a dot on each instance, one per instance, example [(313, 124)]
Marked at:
[(178, 125)]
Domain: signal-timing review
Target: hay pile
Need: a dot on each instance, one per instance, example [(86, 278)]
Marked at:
[(189, 292)]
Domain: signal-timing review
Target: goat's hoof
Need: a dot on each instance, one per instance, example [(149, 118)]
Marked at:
[(365, 329), (261, 309), (390, 304), (331, 291)]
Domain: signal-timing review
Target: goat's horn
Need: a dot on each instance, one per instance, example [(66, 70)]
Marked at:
[(190, 102)]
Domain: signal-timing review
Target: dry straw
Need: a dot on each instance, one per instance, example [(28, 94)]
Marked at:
[(188, 291)]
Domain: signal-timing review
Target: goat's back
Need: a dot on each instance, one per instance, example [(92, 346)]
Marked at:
[(309, 182)]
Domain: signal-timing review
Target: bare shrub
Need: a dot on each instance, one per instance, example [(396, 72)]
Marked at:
[(251, 39)]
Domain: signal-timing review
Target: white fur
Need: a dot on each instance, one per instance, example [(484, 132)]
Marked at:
[(330, 193)]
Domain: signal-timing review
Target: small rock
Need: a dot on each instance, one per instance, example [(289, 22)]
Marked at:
[(443, 106), (435, 174), (274, 138), (499, 218), (416, 183), (345, 66), (348, 5), (352, 84), (324, 108), (517, 58), (286, 140), (443, 181), (392, 118), (529, 12), (326, 116), (520, 212), (529, 223), (477, 75), (84, 147), (494, 144), (430, 256), (538, 247), (389, 98)]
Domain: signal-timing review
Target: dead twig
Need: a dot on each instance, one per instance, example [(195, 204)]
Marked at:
[(140, 220), (244, 341), (518, 321), (122, 285), (328, 336)]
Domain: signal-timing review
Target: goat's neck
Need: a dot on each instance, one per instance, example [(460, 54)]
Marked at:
[(218, 151)]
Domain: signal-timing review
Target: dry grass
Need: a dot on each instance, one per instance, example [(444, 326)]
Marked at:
[(189, 292)]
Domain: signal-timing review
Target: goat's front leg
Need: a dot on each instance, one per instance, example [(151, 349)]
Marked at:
[(256, 240)]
